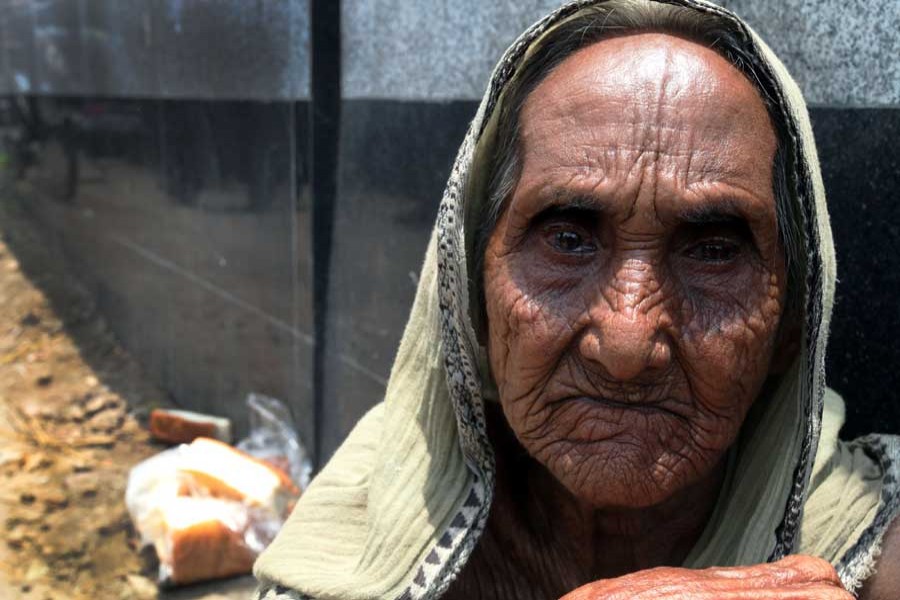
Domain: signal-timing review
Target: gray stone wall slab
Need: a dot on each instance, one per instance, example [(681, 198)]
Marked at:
[(17, 43), (842, 53), (435, 50), (214, 49)]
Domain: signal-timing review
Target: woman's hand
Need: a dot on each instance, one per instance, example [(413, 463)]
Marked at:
[(793, 578)]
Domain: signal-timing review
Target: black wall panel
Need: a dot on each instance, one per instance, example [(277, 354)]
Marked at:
[(861, 168), (394, 161)]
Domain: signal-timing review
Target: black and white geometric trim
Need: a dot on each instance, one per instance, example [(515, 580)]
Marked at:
[(271, 591), (858, 564), (443, 552)]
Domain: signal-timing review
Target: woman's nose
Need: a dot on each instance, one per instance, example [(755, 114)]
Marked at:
[(628, 337)]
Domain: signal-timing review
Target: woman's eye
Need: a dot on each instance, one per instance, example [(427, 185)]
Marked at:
[(571, 241), (717, 251)]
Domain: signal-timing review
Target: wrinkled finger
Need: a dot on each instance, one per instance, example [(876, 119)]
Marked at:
[(809, 568), (793, 569), (815, 591), (734, 589), (693, 591)]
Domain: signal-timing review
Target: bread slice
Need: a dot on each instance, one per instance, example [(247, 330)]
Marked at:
[(209, 467), (200, 539), (184, 426)]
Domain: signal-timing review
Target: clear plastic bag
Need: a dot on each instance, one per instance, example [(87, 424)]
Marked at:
[(208, 508), (273, 439)]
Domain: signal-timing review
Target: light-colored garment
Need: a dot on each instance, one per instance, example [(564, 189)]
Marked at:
[(400, 507)]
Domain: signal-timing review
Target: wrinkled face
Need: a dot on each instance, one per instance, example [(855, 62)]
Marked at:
[(635, 281)]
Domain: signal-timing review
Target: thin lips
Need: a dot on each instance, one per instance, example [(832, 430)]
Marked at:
[(638, 406)]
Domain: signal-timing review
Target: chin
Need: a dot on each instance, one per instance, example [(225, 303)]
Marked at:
[(617, 457), (616, 475)]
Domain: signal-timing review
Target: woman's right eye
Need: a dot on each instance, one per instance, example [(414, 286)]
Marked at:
[(571, 240)]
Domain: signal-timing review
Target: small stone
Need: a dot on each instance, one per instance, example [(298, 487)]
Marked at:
[(10, 456), (106, 421), (53, 499), (91, 381), (96, 404), (63, 546), (50, 413), (83, 485), (73, 412), (114, 526), (142, 587), (82, 467), (16, 540), (31, 408), (27, 515), (99, 441), (29, 320), (36, 461), (36, 570)]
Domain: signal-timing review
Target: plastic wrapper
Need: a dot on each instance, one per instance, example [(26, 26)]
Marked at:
[(208, 508), (273, 439)]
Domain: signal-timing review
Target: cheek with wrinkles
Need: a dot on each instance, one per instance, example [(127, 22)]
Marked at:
[(727, 346), (519, 328)]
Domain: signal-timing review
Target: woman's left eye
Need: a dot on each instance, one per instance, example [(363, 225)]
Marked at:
[(571, 241), (714, 251)]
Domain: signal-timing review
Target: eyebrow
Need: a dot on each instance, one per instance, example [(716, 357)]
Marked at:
[(562, 199), (719, 212), (709, 211)]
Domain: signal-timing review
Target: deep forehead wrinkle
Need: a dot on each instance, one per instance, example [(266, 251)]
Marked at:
[(636, 120), (667, 67)]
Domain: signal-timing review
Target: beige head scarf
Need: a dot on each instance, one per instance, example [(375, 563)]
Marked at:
[(401, 505)]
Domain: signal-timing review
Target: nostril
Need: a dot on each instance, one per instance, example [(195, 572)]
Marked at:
[(661, 355), (627, 366), (626, 348), (621, 355)]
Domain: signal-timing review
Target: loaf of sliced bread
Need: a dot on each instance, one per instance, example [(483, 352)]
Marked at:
[(209, 467), (184, 426), (201, 538)]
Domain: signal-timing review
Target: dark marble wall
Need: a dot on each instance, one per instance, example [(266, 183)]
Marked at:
[(188, 219), (392, 166), (241, 237), (394, 161), (412, 74), (165, 144), (216, 49), (861, 168)]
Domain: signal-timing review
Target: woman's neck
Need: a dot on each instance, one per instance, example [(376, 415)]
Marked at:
[(615, 541), (551, 542)]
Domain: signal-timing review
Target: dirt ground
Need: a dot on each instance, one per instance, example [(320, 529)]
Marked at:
[(71, 400)]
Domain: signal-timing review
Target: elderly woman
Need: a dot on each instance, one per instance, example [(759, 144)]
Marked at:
[(612, 381)]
